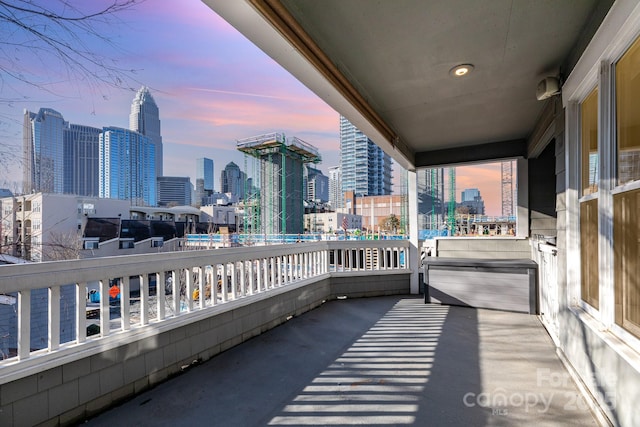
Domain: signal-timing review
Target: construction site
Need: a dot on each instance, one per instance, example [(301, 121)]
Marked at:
[(276, 164)]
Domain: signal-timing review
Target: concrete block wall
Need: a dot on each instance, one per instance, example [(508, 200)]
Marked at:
[(74, 391), (483, 247), (369, 286)]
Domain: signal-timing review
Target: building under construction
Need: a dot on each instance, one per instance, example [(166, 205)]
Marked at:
[(278, 206)]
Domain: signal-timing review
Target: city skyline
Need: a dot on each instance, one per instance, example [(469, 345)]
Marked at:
[(206, 101)]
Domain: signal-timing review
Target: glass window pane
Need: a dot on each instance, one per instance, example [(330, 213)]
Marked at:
[(628, 114), (590, 282), (626, 246), (589, 136)]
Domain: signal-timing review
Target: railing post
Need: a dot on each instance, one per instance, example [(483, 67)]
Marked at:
[(175, 290), (160, 294), (258, 274), (105, 314), (125, 308), (203, 286), (251, 276), (232, 273), (214, 284), (265, 274), (144, 299), (243, 278), (272, 265), (188, 274), (279, 269), (54, 318), (81, 312), (24, 324), (225, 293)]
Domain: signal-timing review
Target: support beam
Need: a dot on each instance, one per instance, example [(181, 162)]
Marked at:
[(493, 151), (414, 247)]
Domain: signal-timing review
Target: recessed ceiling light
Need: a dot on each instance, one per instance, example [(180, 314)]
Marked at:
[(461, 70)]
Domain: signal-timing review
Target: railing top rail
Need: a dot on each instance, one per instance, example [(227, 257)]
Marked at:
[(15, 278)]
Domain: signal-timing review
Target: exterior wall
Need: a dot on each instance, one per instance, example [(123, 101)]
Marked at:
[(51, 216), (481, 247), (603, 359), (372, 209), (127, 166), (70, 393), (173, 189), (330, 222)]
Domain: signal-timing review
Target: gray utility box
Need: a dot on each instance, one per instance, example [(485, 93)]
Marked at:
[(499, 284)]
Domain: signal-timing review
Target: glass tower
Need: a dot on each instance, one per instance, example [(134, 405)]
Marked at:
[(127, 166), (232, 180), (82, 160), (145, 119), (204, 171), (43, 150), (366, 169)]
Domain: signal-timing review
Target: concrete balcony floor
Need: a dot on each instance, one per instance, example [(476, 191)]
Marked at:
[(374, 361)]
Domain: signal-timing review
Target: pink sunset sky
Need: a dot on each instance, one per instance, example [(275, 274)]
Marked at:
[(212, 87)]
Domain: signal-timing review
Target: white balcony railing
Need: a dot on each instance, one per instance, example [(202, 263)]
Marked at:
[(157, 289)]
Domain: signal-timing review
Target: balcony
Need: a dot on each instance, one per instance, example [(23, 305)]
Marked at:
[(334, 358), (214, 300)]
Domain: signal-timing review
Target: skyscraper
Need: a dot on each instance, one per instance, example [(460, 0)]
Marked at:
[(335, 187), (174, 190), (431, 203), (127, 166), (145, 119), (508, 187), (469, 194), (204, 179), (43, 150), (315, 185), (366, 169), (232, 180), (82, 160)]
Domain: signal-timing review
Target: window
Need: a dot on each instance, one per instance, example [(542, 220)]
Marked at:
[(589, 274), (127, 244), (91, 244), (628, 115), (626, 200), (589, 143)]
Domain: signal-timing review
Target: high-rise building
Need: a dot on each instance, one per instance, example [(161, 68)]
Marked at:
[(43, 150), (336, 197), (204, 180), (145, 119), (127, 166), (232, 180), (281, 206), (174, 190), (508, 187), (366, 169), (469, 194), (204, 171), (316, 185), (431, 202), (82, 160), (472, 200)]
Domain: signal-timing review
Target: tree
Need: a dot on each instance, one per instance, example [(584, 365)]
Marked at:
[(389, 223), (62, 246), (45, 42), (62, 31)]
